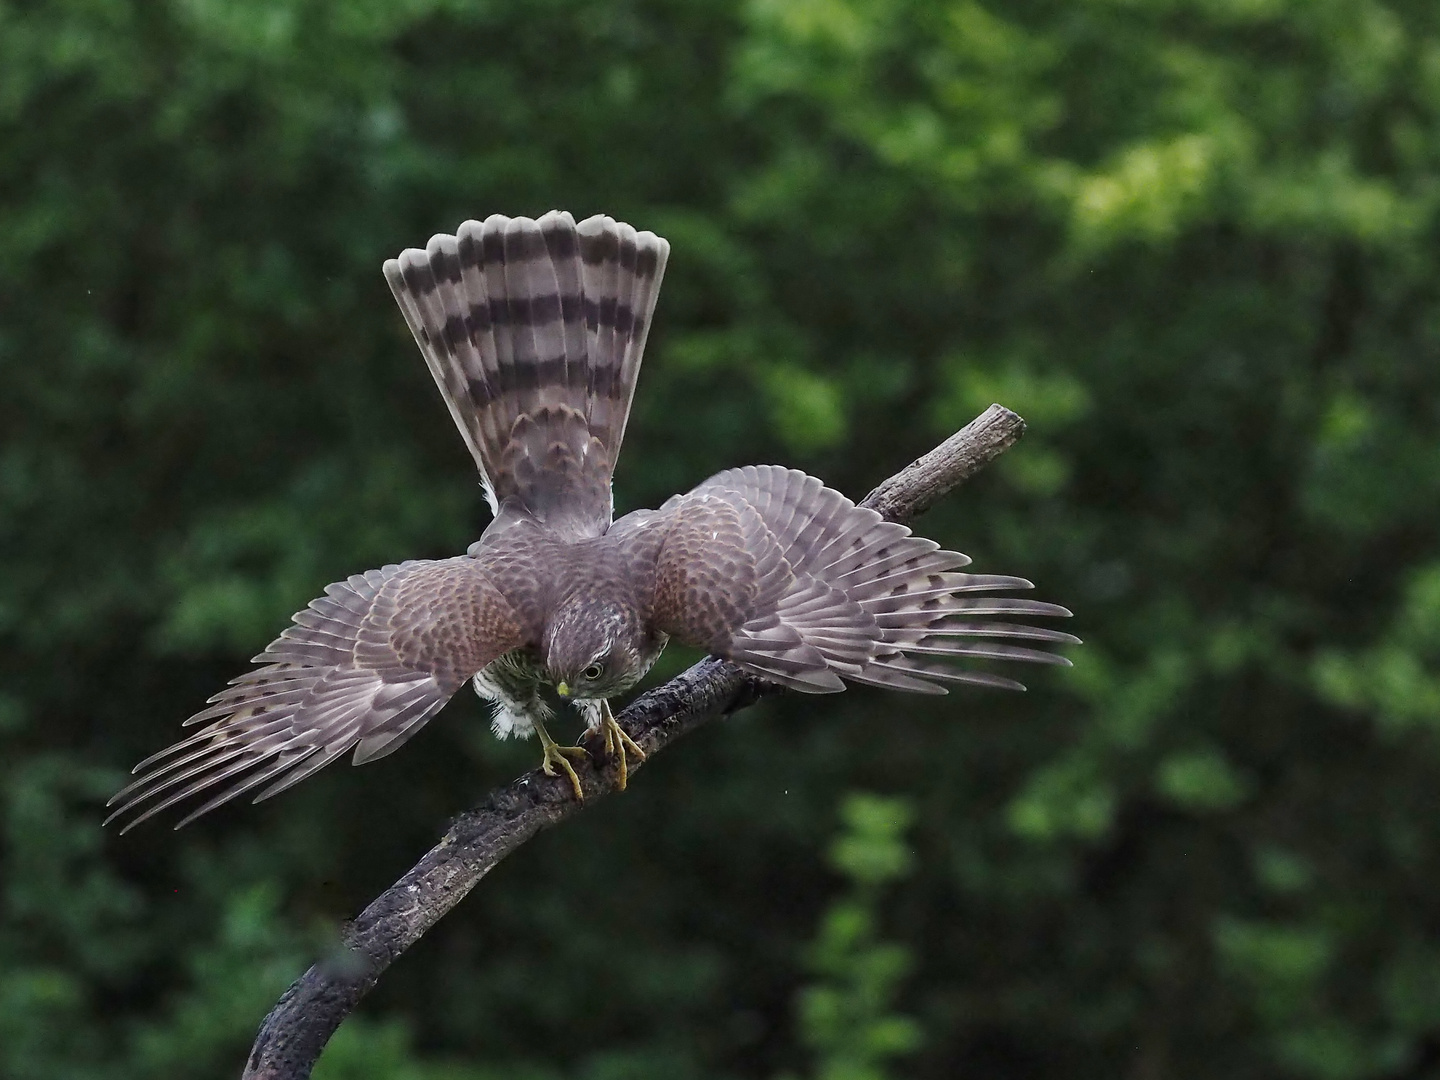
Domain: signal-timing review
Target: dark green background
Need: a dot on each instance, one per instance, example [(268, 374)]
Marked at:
[(1193, 242)]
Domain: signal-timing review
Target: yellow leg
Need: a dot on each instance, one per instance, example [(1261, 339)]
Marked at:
[(555, 754), (617, 742)]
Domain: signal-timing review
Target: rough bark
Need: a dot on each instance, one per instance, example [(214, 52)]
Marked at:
[(308, 1013)]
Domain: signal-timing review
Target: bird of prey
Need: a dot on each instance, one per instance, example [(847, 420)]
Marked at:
[(534, 332)]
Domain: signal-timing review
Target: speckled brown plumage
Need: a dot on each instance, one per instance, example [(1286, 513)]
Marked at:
[(534, 332)]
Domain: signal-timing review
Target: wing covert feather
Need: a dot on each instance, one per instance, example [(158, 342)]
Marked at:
[(363, 668), (787, 578)]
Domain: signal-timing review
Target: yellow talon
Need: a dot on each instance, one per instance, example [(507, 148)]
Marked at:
[(617, 742), (555, 754)]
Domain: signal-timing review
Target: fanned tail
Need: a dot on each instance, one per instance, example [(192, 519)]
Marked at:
[(534, 332)]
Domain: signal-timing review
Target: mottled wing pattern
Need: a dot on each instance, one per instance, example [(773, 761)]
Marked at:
[(534, 331), (363, 668), (835, 593)]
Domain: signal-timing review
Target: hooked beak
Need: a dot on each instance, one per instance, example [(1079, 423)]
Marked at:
[(562, 689)]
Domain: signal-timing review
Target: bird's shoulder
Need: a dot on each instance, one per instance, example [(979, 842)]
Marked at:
[(526, 563)]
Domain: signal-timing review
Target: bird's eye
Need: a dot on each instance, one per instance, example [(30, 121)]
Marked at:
[(593, 672)]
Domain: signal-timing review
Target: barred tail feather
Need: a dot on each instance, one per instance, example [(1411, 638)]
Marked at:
[(622, 271), (534, 332)]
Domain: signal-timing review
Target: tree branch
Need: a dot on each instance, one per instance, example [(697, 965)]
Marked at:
[(308, 1013)]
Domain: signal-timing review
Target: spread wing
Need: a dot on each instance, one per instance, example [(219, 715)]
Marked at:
[(363, 667), (789, 579)]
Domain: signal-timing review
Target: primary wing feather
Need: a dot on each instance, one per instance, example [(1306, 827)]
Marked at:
[(362, 669), (791, 580)]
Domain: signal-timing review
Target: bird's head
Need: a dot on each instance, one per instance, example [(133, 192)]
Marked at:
[(594, 649)]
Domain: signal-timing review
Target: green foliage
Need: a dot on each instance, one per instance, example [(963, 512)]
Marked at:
[(845, 1016), (1194, 242), (1396, 680)]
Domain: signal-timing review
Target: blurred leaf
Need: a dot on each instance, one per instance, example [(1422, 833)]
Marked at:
[(845, 1015), (1201, 780)]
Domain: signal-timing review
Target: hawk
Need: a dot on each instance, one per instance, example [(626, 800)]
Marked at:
[(534, 333)]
